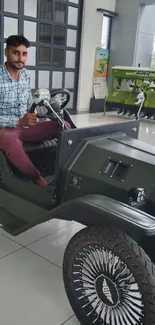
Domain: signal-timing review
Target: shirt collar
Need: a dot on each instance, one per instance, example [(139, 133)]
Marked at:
[(5, 70)]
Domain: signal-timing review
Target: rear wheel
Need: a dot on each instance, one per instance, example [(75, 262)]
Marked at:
[(109, 279)]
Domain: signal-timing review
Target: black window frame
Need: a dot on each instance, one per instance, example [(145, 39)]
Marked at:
[(21, 18)]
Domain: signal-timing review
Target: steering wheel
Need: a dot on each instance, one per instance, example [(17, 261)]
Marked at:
[(53, 102), (58, 99)]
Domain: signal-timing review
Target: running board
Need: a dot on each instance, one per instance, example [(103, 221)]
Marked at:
[(18, 215)]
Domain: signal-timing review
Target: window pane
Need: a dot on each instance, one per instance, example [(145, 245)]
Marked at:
[(30, 30), (72, 16), (31, 56), (30, 8), (4, 52), (69, 80), (44, 79), (44, 56), (59, 36), (45, 33), (10, 26), (46, 9), (58, 58), (71, 37), (57, 79), (60, 13), (70, 59), (74, 1), (32, 74), (11, 6)]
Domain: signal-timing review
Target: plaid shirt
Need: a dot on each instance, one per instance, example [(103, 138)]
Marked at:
[(15, 97)]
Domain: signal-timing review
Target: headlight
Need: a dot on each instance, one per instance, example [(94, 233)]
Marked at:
[(136, 196)]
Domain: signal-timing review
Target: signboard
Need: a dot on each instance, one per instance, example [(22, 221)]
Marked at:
[(100, 73)]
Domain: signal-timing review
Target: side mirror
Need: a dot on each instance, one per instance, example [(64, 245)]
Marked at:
[(41, 95)]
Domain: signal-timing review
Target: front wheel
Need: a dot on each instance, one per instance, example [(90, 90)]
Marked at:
[(109, 279)]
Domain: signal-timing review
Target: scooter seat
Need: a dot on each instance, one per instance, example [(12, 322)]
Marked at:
[(28, 147)]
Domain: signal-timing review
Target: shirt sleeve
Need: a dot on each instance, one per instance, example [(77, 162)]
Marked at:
[(30, 97)]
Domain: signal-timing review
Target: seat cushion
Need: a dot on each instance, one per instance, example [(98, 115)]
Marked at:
[(40, 146)]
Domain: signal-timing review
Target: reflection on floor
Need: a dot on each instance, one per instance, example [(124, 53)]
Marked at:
[(30, 265), (146, 131)]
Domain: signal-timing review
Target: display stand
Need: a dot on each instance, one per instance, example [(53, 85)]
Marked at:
[(131, 89)]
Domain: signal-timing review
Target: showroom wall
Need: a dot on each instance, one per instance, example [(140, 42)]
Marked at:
[(132, 34), (91, 38), (124, 32), (145, 39)]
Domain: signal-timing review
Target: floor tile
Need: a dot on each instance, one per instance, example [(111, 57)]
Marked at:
[(147, 132), (38, 232), (32, 291), (7, 246), (53, 246), (72, 321), (82, 120)]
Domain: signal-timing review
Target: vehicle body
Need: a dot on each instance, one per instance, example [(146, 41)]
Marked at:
[(102, 177)]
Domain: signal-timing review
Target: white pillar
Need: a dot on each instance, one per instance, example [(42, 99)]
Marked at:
[(91, 38)]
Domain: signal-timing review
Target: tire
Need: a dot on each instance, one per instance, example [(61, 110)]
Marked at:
[(109, 279)]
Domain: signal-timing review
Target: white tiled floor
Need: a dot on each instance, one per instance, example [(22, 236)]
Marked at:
[(32, 291)]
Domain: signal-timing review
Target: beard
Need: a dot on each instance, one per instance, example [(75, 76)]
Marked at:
[(16, 65)]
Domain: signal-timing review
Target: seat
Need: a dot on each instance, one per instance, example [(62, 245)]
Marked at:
[(29, 147), (43, 155)]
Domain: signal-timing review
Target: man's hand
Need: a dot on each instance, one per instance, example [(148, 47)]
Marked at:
[(29, 119)]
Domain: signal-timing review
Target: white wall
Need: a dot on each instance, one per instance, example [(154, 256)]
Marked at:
[(91, 38), (145, 37)]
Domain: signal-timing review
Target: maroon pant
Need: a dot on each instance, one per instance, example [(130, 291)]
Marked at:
[(11, 144)]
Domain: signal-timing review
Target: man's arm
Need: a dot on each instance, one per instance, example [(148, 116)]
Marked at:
[(28, 119)]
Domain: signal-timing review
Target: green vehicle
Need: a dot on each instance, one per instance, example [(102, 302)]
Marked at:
[(102, 177), (132, 92)]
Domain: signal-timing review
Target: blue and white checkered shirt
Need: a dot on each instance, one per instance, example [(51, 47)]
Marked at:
[(15, 97)]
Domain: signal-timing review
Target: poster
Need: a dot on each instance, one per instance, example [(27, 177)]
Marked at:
[(100, 73), (100, 88)]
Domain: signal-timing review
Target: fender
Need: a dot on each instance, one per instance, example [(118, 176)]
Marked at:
[(98, 211)]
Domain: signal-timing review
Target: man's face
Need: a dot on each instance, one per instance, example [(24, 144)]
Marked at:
[(16, 56)]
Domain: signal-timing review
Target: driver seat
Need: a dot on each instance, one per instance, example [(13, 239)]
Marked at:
[(29, 147), (43, 155)]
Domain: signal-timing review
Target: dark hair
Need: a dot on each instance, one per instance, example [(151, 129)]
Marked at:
[(17, 40)]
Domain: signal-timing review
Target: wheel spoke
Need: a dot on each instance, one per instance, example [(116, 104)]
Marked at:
[(127, 315), (133, 314), (87, 270), (81, 273), (84, 282), (97, 304)]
